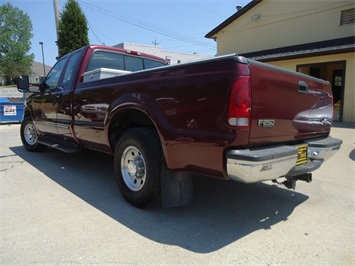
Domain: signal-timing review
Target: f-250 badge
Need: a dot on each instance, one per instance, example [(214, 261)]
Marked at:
[(266, 122)]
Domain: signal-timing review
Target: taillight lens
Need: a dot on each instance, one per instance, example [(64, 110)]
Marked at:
[(239, 112)]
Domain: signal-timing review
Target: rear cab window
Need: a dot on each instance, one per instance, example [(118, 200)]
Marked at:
[(103, 59), (105, 64), (113, 60), (133, 63)]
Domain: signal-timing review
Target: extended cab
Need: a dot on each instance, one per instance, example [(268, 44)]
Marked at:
[(227, 117)]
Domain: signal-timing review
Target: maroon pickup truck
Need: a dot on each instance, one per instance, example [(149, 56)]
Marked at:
[(227, 117)]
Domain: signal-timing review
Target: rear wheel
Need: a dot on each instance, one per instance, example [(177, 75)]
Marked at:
[(138, 162), (29, 136)]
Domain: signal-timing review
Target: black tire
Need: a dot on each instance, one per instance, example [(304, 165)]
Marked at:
[(29, 136), (138, 162)]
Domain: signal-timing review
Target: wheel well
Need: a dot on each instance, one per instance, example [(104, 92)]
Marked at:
[(127, 118), (26, 112)]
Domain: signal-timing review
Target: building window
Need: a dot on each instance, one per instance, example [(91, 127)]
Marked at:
[(347, 16)]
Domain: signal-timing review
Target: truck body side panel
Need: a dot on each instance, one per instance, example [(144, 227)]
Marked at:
[(187, 103)]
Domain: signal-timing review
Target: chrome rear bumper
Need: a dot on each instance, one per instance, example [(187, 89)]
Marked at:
[(268, 163)]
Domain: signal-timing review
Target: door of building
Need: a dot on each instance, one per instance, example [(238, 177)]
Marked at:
[(334, 72)]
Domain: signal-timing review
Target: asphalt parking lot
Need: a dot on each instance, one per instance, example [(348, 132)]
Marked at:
[(62, 209)]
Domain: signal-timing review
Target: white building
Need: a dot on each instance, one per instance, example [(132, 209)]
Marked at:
[(172, 57), (37, 72)]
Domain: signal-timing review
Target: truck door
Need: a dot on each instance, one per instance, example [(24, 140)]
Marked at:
[(66, 109), (45, 104)]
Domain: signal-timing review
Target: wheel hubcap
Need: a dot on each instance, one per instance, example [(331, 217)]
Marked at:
[(30, 134), (133, 168)]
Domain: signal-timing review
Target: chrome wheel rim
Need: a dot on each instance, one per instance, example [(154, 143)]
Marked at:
[(30, 134), (133, 168)]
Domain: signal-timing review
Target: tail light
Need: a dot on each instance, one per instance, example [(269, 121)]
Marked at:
[(132, 52), (239, 112)]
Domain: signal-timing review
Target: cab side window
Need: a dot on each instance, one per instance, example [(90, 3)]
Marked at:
[(53, 76), (69, 74)]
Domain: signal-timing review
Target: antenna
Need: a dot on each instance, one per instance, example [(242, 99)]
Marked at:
[(155, 42)]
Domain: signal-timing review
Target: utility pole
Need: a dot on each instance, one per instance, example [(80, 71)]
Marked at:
[(44, 66), (56, 15)]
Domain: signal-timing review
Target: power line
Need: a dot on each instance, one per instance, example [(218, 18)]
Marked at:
[(144, 25), (94, 33), (202, 8)]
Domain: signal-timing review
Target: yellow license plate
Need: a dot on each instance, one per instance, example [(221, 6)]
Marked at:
[(302, 157)]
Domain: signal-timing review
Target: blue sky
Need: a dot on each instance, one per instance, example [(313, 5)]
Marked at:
[(178, 25)]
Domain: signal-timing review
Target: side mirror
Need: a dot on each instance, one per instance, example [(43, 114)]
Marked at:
[(23, 84)]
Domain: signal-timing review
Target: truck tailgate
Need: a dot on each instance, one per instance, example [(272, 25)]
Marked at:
[(288, 106)]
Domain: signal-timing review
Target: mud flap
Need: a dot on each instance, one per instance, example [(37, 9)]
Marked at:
[(176, 188)]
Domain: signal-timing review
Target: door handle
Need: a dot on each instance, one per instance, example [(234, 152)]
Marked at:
[(58, 90), (302, 87)]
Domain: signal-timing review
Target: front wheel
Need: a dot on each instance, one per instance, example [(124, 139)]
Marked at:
[(138, 162), (29, 136)]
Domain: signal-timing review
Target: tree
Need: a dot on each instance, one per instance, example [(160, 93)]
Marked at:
[(72, 29), (15, 42)]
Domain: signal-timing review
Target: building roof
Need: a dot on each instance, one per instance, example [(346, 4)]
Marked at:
[(343, 45), (172, 57), (232, 18)]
